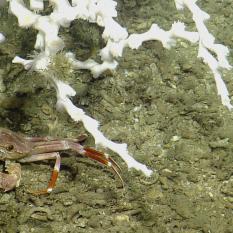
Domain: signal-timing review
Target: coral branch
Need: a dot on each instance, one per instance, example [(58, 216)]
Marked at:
[(64, 91)]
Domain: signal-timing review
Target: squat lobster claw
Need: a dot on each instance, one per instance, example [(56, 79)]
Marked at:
[(23, 149)]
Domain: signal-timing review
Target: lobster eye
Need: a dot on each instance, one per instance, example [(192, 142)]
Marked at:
[(9, 147)]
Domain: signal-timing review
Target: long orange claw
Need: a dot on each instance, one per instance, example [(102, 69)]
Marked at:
[(105, 160)]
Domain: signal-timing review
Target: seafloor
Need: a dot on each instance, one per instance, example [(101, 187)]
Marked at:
[(162, 103)]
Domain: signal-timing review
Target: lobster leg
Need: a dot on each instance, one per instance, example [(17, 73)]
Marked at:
[(56, 169), (64, 145), (88, 152)]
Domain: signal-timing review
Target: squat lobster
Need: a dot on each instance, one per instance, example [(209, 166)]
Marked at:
[(22, 149)]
